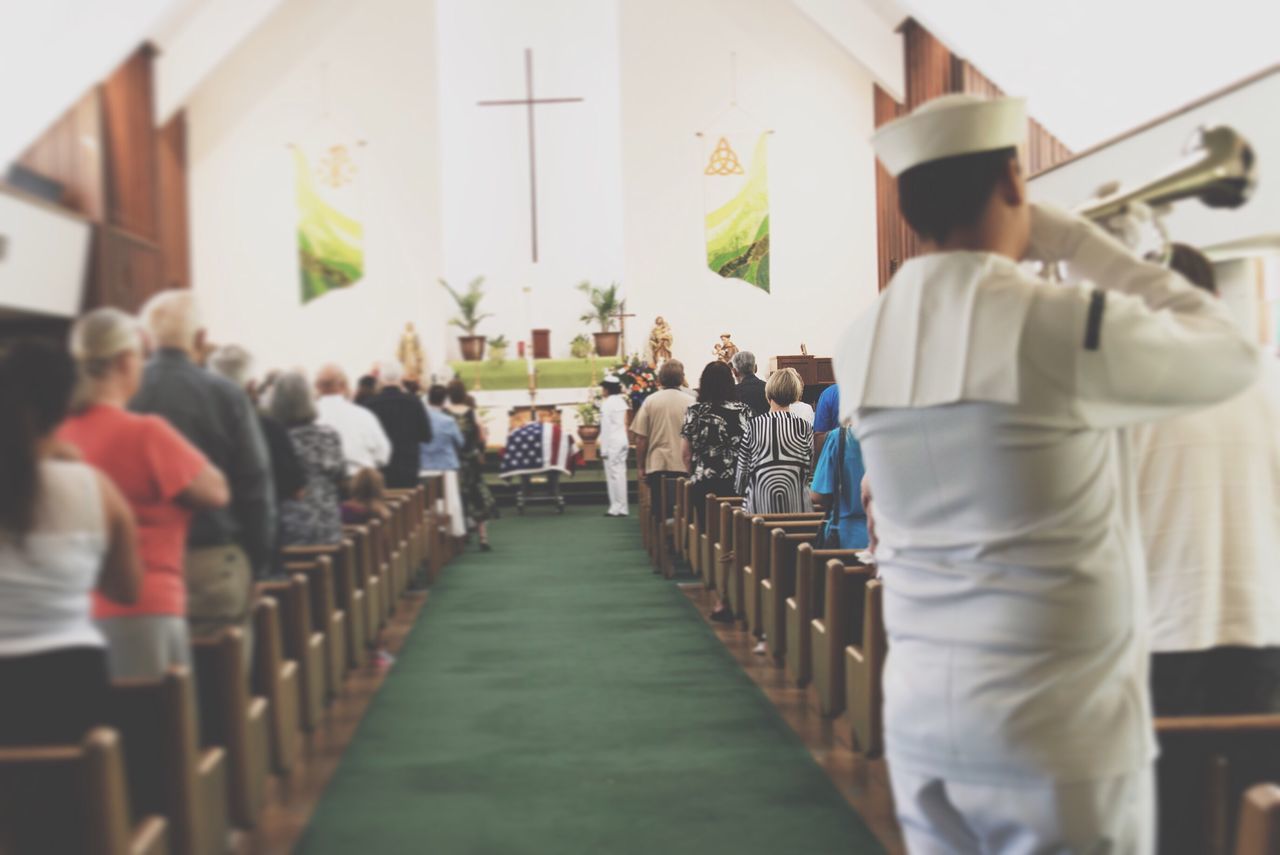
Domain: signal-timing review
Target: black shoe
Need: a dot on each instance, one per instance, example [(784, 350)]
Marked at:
[(722, 615), (485, 547)]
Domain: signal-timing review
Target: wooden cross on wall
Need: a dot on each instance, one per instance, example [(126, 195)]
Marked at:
[(529, 102), (622, 316)]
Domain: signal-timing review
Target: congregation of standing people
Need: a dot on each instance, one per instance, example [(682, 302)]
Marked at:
[(151, 482)]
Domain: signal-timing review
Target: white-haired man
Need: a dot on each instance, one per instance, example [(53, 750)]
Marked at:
[(364, 442), (226, 547), (750, 387), (404, 419)]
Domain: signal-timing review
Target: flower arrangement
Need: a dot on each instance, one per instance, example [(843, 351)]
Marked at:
[(638, 379)]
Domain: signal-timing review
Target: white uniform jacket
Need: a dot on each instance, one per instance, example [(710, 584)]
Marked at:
[(986, 402), (1209, 502), (613, 425)]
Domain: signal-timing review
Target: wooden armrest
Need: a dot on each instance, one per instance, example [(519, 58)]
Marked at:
[(1218, 724)]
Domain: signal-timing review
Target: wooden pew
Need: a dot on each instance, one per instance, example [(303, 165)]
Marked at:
[(644, 500), (411, 515), (380, 544), (692, 541), (368, 580), (718, 539), (805, 604), (326, 617), (276, 679), (735, 584), (437, 524), (302, 644), (681, 517), (756, 569), (839, 624), (169, 774), (1258, 830), (1206, 765), (348, 598), (780, 584), (234, 719), (398, 548), (72, 798), (864, 676), (668, 528)]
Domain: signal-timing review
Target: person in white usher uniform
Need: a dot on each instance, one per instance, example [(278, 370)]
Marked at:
[(614, 444), (987, 403)]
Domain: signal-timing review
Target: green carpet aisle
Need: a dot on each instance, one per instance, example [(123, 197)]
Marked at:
[(556, 697)]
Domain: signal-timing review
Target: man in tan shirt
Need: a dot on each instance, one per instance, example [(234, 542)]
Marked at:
[(657, 430)]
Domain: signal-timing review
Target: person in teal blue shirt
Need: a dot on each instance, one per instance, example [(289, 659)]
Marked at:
[(850, 519)]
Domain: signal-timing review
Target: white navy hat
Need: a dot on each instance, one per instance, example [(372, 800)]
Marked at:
[(611, 378), (949, 126)]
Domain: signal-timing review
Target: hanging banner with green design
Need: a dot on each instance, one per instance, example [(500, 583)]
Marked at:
[(330, 236), (737, 204)]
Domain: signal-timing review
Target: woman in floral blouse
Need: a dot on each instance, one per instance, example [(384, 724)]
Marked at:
[(316, 517), (713, 429)]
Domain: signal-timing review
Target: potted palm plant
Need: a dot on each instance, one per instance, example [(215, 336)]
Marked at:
[(469, 318), (605, 306)]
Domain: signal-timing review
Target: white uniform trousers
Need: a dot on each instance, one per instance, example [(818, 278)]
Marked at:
[(1115, 816), (615, 476)]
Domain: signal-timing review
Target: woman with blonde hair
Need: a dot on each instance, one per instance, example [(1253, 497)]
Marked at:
[(163, 477), (773, 460)]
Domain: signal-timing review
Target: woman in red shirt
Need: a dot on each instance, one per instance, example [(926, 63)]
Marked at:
[(161, 474)]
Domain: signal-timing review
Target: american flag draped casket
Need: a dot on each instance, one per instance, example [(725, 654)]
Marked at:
[(537, 448)]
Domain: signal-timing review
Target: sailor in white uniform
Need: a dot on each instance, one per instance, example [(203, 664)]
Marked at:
[(614, 444), (987, 404)]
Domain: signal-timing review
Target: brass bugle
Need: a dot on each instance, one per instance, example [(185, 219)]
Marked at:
[(1219, 169)]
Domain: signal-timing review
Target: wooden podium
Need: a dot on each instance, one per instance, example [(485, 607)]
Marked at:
[(813, 370)]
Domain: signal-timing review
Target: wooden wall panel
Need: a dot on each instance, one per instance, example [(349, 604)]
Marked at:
[(930, 65), (70, 153), (1043, 148), (127, 270), (895, 240), (933, 70), (128, 114), (129, 180), (171, 176)]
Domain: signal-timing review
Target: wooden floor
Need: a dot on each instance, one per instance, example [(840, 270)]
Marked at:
[(863, 783), (293, 799)]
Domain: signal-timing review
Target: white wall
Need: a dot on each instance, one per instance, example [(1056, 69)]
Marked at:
[(373, 66), (485, 158), (792, 78)]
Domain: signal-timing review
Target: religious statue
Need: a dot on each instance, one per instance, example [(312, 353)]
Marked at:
[(660, 341), (725, 350), (409, 352)]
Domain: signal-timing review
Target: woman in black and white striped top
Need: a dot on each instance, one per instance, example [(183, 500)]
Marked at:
[(773, 459)]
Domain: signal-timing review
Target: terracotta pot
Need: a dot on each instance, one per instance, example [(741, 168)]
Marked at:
[(607, 343), (472, 347), (588, 433)]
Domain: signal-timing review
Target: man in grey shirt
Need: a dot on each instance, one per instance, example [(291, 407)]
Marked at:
[(228, 547)]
